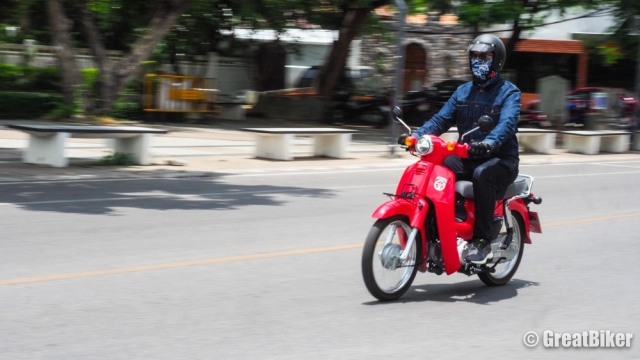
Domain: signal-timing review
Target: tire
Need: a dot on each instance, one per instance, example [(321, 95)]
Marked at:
[(505, 271), (376, 117), (336, 116), (387, 284)]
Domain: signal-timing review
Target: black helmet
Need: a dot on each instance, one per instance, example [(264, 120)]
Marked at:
[(490, 43)]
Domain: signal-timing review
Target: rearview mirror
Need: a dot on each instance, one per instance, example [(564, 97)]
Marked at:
[(396, 112), (486, 123)]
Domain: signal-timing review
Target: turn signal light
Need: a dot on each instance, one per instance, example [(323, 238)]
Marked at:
[(451, 145), (410, 141)]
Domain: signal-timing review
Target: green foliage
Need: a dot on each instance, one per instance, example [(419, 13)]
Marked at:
[(26, 106), (62, 111), (127, 110), (610, 54), (24, 78), (117, 159), (91, 77)]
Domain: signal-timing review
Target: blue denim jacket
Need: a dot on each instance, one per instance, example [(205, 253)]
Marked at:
[(500, 100)]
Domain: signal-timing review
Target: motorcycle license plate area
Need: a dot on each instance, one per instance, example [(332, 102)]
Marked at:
[(534, 223)]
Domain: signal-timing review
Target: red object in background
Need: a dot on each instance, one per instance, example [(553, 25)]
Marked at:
[(580, 102)]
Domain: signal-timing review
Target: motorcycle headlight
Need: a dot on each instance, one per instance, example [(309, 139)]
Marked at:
[(424, 145)]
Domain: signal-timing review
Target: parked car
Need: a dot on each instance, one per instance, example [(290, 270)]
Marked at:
[(358, 99), (581, 101), (418, 106), (351, 76)]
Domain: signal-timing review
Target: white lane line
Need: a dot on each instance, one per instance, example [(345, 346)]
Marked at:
[(591, 174), (285, 172), (226, 193), (222, 196), (617, 165)]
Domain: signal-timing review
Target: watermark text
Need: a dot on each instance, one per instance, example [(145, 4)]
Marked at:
[(584, 339)]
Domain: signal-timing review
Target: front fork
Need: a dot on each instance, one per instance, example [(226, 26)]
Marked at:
[(409, 244)]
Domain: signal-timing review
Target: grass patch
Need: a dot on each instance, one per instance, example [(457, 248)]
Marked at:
[(117, 159)]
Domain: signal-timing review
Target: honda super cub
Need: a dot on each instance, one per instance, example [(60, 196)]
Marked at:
[(429, 220)]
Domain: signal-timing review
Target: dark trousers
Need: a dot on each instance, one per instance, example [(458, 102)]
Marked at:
[(490, 177)]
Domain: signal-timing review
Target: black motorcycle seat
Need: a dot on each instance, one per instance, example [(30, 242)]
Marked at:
[(465, 188)]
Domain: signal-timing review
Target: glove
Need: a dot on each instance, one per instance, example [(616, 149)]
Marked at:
[(479, 149), (402, 137)]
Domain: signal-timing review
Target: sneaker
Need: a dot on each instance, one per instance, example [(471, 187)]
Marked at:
[(479, 252)]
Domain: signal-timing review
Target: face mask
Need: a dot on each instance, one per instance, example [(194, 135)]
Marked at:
[(481, 69)]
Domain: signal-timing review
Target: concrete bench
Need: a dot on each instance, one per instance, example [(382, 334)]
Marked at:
[(537, 140), (277, 143), (593, 141), (450, 135), (47, 142)]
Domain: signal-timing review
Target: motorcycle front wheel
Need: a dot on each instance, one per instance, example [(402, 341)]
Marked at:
[(385, 275)]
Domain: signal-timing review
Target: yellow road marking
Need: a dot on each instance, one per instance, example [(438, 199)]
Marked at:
[(181, 264), (581, 221), (174, 265)]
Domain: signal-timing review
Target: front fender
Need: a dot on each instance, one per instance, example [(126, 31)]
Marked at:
[(399, 207), (415, 212)]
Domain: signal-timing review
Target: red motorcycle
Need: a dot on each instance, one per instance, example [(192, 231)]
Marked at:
[(427, 223)]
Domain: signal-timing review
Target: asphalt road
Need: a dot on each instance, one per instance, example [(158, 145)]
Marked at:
[(268, 267)]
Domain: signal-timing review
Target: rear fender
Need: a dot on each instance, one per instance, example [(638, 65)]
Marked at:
[(519, 206)]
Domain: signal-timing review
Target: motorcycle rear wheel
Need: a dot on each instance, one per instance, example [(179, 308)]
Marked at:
[(505, 271), (389, 282)]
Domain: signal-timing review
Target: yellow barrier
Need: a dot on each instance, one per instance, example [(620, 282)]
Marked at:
[(177, 93)]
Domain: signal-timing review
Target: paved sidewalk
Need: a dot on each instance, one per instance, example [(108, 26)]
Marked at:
[(222, 148)]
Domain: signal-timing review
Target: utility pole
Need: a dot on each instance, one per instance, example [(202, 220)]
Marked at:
[(402, 7), (636, 27)]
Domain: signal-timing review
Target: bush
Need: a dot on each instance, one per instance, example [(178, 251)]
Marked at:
[(26, 106), (127, 110), (117, 159), (25, 78)]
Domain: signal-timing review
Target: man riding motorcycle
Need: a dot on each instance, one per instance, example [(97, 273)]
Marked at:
[(494, 162)]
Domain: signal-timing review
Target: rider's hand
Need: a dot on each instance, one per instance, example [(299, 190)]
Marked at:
[(478, 149), (402, 138)]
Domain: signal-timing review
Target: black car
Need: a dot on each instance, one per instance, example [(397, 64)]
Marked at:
[(349, 78), (420, 105), (442, 91)]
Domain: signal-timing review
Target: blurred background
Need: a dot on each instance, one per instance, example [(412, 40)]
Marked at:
[(576, 63)]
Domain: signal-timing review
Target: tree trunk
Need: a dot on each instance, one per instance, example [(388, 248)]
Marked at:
[(114, 77), (511, 44), (61, 26), (333, 66)]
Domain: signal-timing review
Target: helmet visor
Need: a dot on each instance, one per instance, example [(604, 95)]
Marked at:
[(481, 47)]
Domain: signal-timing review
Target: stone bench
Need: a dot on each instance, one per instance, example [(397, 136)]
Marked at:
[(593, 141), (277, 143), (537, 140), (47, 142)]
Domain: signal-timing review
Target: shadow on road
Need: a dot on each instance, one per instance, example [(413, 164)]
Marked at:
[(472, 291), (106, 196)]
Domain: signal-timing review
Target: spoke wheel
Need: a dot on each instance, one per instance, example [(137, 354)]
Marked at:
[(506, 269), (385, 275)]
